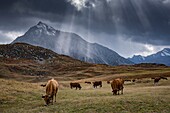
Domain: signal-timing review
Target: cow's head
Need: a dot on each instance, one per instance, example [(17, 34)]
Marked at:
[(47, 99), (79, 87), (100, 85)]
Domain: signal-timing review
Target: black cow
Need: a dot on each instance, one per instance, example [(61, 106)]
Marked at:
[(43, 85), (76, 85), (87, 82), (108, 82), (156, 79), (97, 83)]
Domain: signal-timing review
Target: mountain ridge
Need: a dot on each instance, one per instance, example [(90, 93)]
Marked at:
[(161, 57), (70, 44)]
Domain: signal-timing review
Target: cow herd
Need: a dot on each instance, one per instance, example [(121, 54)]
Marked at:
[(52, 88), (77, 85), (116, 85)]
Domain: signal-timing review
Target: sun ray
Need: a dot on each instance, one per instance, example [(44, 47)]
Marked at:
[(63, 40)]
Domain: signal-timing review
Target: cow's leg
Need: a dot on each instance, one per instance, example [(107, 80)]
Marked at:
[(56, 93), (52, 98), (122, 90), (118, 92), (55, 97), (76, 88)]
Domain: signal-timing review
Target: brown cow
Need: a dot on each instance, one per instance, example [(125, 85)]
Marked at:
[(156, 79), (117, 85), (97, 83), (51, 91), (76, 85)]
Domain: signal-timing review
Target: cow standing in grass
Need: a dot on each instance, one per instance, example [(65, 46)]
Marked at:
[(108, 82), (87, 82), (43, 85), (157, 79), (97, 83), (117, 85), (76, 85), (51, 91)]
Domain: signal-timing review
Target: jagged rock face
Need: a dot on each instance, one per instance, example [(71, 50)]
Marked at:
[(161, 57), (70, 44)]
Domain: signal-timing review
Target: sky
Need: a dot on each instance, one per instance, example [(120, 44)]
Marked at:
[(129, 27)]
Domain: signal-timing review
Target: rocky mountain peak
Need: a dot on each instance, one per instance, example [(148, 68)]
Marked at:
[(42, 27), (70, 44), (40, 23)]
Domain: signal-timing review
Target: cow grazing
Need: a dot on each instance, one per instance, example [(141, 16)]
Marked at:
[(51, 91), (133, 80), (43, 85), (157, 79), (76, 85), (108, 82), (97, 83), (164, 78), (127, 80), (87, 82), (117, 85)]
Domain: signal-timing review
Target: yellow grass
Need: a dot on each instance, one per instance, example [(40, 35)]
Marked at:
[(23, 97)]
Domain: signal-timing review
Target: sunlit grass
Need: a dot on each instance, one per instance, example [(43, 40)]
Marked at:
[(16, 97)]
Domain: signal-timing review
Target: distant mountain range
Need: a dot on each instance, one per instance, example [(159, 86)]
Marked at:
[(161, 57), (70, 44)]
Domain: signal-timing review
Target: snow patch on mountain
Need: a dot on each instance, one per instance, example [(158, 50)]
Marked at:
[(161, 57)]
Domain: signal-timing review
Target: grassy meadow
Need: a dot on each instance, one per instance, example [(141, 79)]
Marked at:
[(142, 97)]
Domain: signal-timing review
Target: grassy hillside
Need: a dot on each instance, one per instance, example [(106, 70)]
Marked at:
[(67, 69), (23, 97), (25, 62)]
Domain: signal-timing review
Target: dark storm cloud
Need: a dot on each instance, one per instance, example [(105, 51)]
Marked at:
[(21, 14), (143, 21)]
